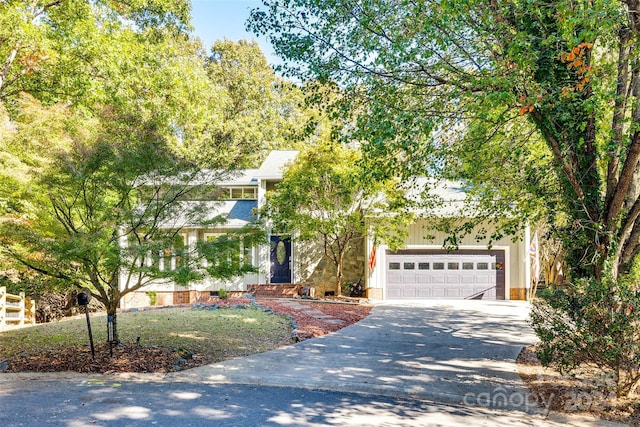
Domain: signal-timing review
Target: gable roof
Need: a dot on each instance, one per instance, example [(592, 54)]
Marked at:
[(271, 168), (221, 214), (240, 177), (274, 164), (439, 198)]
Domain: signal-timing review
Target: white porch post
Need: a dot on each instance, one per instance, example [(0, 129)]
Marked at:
[(527, 260)]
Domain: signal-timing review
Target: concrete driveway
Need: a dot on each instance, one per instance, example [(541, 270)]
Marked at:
[(458, 352)]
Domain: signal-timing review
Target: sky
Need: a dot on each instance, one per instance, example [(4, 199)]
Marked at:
[(216, 19)]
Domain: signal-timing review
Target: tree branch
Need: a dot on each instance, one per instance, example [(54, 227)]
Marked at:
[(619, 108), (559, 156), (626, 176)]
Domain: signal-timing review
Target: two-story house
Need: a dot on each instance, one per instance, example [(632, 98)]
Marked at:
[(422, 270)]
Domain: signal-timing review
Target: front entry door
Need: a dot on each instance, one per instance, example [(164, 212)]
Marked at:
[(280, 259)]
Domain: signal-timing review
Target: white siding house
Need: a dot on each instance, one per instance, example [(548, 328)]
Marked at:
[(421, 270)]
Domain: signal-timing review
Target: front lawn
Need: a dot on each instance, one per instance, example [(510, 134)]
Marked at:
[(181, 337)]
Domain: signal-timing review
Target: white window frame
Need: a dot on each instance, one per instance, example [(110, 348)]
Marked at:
[(246, 193)]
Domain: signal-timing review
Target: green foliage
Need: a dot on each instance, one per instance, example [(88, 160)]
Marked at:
[(255, 111), (324, 196), (230, 254), (153, 298), (110, 179), (104, 108), (223, 293), (64, 49), (592, 322), (532, 104), (78, 186)]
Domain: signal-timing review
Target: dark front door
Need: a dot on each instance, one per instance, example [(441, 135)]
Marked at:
[(280, 259)]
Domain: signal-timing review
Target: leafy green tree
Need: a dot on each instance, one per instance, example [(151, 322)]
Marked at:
[(96, 97), (506, 74), (61, 48), (114, 199), (259, 112), (324, 197)]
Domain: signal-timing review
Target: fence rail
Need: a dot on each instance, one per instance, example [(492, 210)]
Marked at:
[(16, 309)]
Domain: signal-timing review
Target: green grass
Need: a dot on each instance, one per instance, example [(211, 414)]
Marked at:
[(214, 334)]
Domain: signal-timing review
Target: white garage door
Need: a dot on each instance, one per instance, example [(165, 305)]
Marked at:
[(442, 276)]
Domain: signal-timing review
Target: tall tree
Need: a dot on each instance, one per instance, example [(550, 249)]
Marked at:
[(564, 72), (324, 197), (112, 204), (55, 47), (95, 98), (259, 112)]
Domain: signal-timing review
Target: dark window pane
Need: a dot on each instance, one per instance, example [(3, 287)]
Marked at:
[(438, 265), (453, 266), (409, 265), (423, 266), (467, 266), (394, 266)]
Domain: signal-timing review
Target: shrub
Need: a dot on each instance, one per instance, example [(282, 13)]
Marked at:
[(223, 294), (153, 297), (592, 322)]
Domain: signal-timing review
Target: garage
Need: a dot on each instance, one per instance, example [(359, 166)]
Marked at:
[(424, 274)]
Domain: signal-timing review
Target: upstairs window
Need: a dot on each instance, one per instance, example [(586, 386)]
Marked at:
[(242, 193)]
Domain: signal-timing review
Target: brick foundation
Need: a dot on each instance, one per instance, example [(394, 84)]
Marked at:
[(518, 294), (286, 290), (184, 297)]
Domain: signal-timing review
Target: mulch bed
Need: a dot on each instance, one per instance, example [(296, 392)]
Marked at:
[(581, 393), (126, 358), (311, 327)]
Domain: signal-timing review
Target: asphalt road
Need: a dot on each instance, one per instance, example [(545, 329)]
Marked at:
[(160, 404), (119, 404)]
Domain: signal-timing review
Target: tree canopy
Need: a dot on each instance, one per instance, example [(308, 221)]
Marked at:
[(325, 197), (62, 50), (257, 111), (104, 207), (549, 89), (96, 99)]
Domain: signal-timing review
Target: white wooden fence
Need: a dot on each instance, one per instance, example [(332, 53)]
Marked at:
[(16, 309)]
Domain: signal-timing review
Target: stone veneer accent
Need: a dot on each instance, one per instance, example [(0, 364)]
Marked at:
[(320, 272)]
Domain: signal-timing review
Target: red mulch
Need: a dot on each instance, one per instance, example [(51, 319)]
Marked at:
[(133, 358), (309, 326)]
